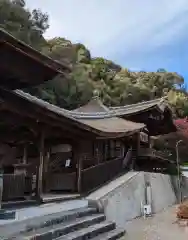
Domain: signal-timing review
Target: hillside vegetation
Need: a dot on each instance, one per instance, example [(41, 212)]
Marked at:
[(116, 85)]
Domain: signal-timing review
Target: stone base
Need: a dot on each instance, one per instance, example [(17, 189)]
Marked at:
[(7, 215)]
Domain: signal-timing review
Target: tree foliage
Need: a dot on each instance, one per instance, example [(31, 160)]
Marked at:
[(168, 142), (26, 25), (116, 85)]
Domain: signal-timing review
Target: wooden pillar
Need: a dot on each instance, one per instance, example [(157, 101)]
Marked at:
[(80, 155), (138, 142), (41, 164), (46, 162), (149, 141), (137, 150), (79, 174), (45, 171), (24, 159), (1, 187)]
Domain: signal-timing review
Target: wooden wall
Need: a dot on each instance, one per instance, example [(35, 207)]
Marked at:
[(95, 152)]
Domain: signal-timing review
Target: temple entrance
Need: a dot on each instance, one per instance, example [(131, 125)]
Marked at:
[(60, 176)]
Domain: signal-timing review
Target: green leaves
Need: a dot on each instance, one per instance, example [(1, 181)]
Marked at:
[(116, 85), (23, 24)]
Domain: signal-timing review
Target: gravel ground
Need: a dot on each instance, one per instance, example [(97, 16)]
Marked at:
[(161, 226)]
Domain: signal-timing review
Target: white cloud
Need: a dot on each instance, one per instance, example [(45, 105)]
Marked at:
[(107, 27)]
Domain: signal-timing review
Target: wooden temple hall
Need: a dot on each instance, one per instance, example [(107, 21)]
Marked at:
[(45, 149)]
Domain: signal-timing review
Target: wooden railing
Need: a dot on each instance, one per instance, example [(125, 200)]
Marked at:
[(61, 182), (96, 176), (150, 152), (13, 186)]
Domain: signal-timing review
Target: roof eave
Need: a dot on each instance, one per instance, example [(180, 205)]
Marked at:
[(77, 122), (18, 44), (119, 135)]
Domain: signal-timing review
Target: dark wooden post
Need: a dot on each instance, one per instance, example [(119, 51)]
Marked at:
[(138, 143), (45, 171), (80, 155), (41, 164), (79, 180), (24, 159), (149, 141), (1, 187), (136, 150), (46, 162)]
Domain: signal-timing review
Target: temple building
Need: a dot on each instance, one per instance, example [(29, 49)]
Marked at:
[(46, 149)]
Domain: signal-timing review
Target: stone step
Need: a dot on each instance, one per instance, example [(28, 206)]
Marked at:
[(60, 217), (28, 225), (19, 204), (59, 198), (58, 230), (111, 235), (7, 214), (89, 232)]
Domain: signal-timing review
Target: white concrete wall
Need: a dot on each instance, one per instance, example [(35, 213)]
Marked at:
[(163, 194), (124, 203), (184, 187), (185, 173), (122, 199)]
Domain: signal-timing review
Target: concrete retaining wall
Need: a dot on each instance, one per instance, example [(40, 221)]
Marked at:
[(184, 187), (122, 199), (163, 194)]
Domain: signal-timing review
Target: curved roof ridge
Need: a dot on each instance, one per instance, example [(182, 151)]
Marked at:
[(42, 102), (61, 111), (153, 101), (95, 105), (114, 126), (120, 111), (82, 115)]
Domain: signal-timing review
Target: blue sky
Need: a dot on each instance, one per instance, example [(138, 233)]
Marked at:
[(137, 34)]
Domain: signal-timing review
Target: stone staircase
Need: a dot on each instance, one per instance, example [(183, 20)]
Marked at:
[(78, 224)]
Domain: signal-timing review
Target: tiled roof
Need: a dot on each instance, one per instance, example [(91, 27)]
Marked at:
[(114, 124), (110, 125), (87, 111), (160, 103), (93, 106)]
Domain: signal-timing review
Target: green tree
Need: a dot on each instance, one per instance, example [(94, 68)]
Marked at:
[(116, 85), (23, 24)]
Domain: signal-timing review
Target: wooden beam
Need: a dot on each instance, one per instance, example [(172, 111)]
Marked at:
[(20, 134), (11, 118), (59, 139), (15, 138), (32, 118), (14, 122), (17, 61), (25, 107)]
